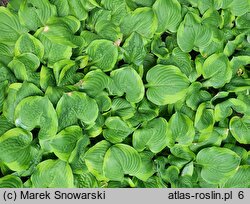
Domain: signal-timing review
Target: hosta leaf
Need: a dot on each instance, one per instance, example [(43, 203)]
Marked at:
[(147, 166), (142, 21), (11, 181), (65, 72), (47, 78), (166, 84), (86, 180), (121, 107), (103, 54), (218, 164), (239, 7), (7, 53), (217, 71), (16, 93), (153, 136), (134, 50), (94, 82), (204, 118), (240, 129), (94, 158), (10, 27), (108, 30), (182, 152), (225, 109), (76, 8), (74, 106), (76, 159), (168, 13), (180, 59), (24, 67), (29, 44), (52, 174), (38, 11), (128, 81), (62, 7), (37, 112), (61, 31), (3, 90), (121, 159), (15, 149), (65, 142), (53, 52), (5, 125), (182, 128), (241, 179), (103, 101), (191, 33), (116, 130)]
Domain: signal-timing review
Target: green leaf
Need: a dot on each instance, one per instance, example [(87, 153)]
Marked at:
[(192, 34), (6, 52), (62, 7), (47, 78), (129, 82), (65, 141), (147, 166), (37, 112), (10, 27), (16, 93), (182, 128), (76, 8), (241, 179), (243, 21), (15, 149), (103, 54), (26, 43), (53, 52), (153, 136), (74, 106), (158, 47), (76, 159), (52, 174), (65, 72), (94, 159), (196, 95), (34, 13), (3, 90), (240, 129), (180, 59), (182, 151), (116, 130), (239, 7), (11, 181), (225, 109), (108, 30), (134, 50), (121, 159), (24, 67), (166, 84), (217, 71), (142, 20), (218, 164), (94, 82), (5, 124), (122, 108), (85, 180), (61, 31), (204, 118), (168, 13)]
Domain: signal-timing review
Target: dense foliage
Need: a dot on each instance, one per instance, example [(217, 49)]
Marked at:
[(125, 93)]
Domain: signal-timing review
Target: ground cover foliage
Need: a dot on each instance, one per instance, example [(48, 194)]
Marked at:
[(125, 93)]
